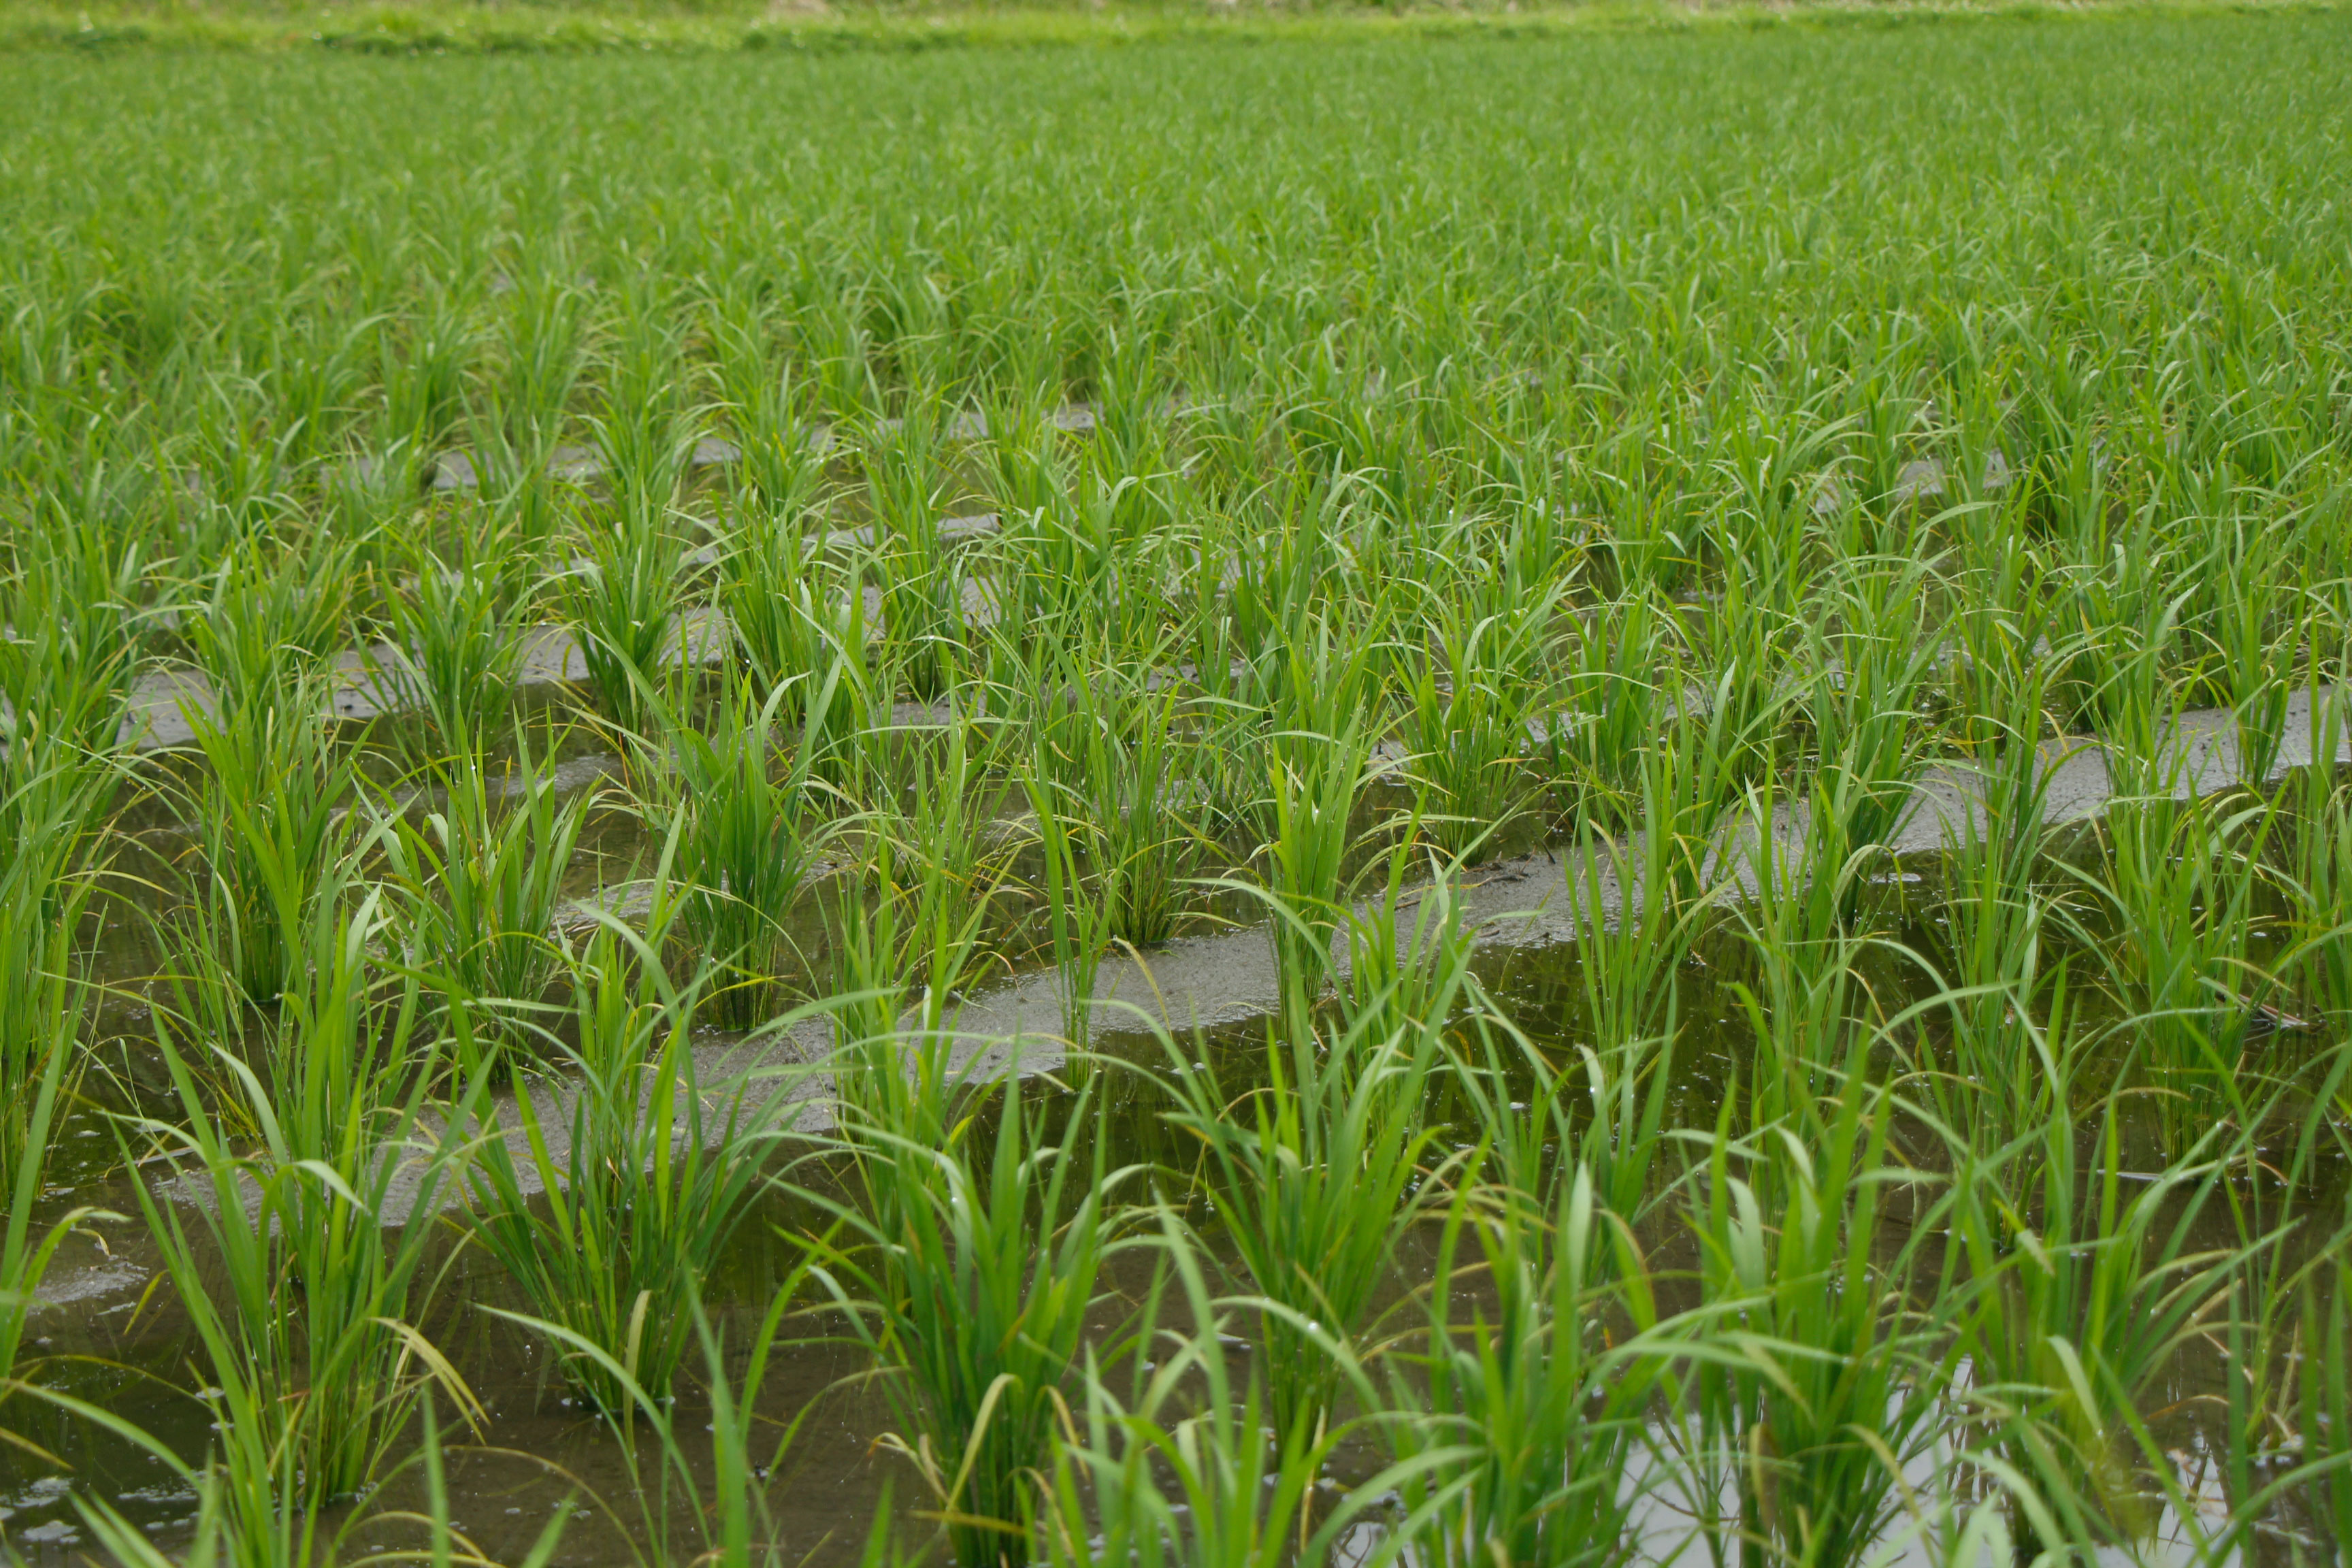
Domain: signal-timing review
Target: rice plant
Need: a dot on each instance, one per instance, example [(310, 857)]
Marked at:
[(623, 607), (75, 634), (1315, 1176), (2182, 880), (1471, 712), (2083, 1285), (479, 883), (455, 652), (1119, 748), (1534, 1417), (1172, 1462), (1078, 918), (1314, 779), (302, 1297), (610, 1202), (747, 839), (28, 1244), (971, 1287), (265, 629), (269, 832), (1829, 1386)]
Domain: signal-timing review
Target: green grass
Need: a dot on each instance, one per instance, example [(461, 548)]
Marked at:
[(1257, 491)]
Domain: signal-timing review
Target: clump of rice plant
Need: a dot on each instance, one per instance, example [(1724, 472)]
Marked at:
[(480, 881), (1315, 1175), (36, 1098), (796, 621), (1471, 711), (269, 831), (1534, 1417), (1115, 744), (970, 1285), (457, 649), (623, 605), (304, 1294), (748, 837), (1077, 917), (1173, 1457), (611, 1230), (1810, 1436), (266, 629), (74, 636), (1316, 763)]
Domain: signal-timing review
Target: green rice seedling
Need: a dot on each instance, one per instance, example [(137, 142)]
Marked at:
[(921, 588), (623, 605), (1814, 1382), (645, 433), (1084, 557), (1534, 1419), (2181, 883), (726, 1498), (264, 632), (1313, 781), (547, 342), (2255, 660), (839, 343), (779, 474), (1078, 918), (300, 1295), (1315, 1175), (1807, 1005), (2326, 1413), (2116, 643), (1117, 747), (219, 1533), (1870, 673), (44, 1002), (1630, 946), (1275, 619), (975, 1303), (1179, 1470), (1316, 765), (2000, 620), (268, 834), (2083, 1284), (1471, 707), (1610, 710), (73, 637), (1408, 953), (480, 889), (939, 821), (1745, 651), (746, 840), (769, 587), (1995, 913), (1694, 793), (2258, 1324), (2318, 879), (455, 652), (1630, 952), (423, 369), (53, 802), (643, 1172), (800, 628), (901, 951)]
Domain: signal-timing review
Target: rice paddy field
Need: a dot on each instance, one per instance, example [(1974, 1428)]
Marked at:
[(1382, 797)]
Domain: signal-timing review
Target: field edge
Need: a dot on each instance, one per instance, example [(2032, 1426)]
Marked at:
[(454, 27)]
